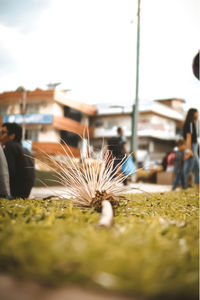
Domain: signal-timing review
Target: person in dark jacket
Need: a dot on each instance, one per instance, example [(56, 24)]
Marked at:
[(19, 160), (117, 146)]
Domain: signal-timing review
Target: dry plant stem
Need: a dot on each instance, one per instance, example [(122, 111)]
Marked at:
[(106, 218)]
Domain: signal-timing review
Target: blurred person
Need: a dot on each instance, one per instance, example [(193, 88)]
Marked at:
[(190, 136), (164, 161), (122, 140), (180, 156), (19, 160), (170, 162), (4, 176), (117, 146)]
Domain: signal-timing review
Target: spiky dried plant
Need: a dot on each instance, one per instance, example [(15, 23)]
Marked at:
[(91, 182)]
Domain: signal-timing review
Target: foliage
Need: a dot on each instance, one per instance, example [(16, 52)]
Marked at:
[(150, 252)]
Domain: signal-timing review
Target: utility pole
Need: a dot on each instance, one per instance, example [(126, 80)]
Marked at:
[(134, 140)]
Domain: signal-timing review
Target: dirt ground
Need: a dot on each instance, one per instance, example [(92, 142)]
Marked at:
[(13, 289)]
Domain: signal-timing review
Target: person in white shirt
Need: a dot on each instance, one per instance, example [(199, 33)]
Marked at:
[(4, 176)]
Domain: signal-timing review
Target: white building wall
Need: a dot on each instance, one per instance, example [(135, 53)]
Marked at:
[(46, 107), (51, 108), (48, 134), (154, 125), (13, 109), (149, 125), (85, 121), (106, 126), (58, 110)]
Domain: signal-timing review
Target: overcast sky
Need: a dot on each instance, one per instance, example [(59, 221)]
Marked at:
[(90, 47)]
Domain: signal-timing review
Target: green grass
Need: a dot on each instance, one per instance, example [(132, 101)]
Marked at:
[(151, 251), (45, 177)]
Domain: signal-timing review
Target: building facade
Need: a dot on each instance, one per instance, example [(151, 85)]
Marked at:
[(47, 117), (160, 125)]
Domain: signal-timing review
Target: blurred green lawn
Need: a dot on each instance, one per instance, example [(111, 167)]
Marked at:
[(45, 178), (151, 251)]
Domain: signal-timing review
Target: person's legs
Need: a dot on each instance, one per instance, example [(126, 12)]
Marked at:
[(188, 166), (196, 170), (196, 164), (182, 180), (176, 181), (116, 170)]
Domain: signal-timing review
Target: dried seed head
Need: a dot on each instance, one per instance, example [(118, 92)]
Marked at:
[(101, 196), (89, 181)]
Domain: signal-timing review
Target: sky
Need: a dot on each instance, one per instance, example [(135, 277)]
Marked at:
[(90, 47)]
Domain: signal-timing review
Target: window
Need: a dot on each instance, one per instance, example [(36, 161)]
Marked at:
[(110, 124), (72, 114), (31, 135), (69, 138), (32, 108), (98, 124)]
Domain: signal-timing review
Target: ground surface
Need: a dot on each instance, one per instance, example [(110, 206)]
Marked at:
[(14, 289), (51, 248), (131, 188)]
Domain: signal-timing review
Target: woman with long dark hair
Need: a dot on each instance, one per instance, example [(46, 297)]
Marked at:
[(190, 136)]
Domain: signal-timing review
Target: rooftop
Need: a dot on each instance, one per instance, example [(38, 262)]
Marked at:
[(50, 94)]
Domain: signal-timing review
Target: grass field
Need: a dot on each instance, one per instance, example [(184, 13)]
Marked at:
[(151, 251)]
